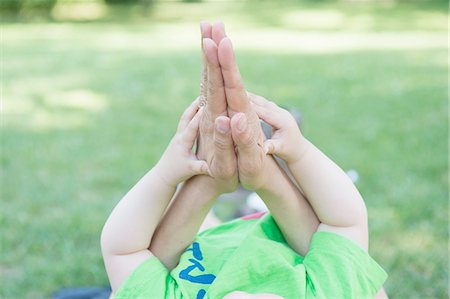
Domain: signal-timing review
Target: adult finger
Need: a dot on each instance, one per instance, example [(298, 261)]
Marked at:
[(199, 167), (223, 144), (234, 86), (273, 117), (242, 134), (218, 32), (215, 94), (206, 32), (205, 29), (188, 114), (261, 101), (191, 131), (256, 99), (273, 146)]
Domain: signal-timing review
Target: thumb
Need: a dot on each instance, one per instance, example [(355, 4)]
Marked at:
[(223, 143), (272, 146), (241, 132), (222, 134), (199, 167)]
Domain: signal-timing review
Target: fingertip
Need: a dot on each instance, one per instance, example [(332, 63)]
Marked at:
[(225, 52), (205, 28), (204, 168), (218, 32), (219, 24), (219, 29), (226, 42), (222, 124), (239, 122), (268, 148), (210, 49)]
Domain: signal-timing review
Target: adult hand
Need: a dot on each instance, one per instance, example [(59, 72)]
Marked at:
[(245, 125), (215, 144)]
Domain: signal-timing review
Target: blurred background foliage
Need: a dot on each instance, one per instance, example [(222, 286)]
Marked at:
[(92, 91), (101, 9)]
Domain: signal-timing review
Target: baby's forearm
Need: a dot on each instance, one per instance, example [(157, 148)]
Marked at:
[(131, 224), (332, 194), (290, 209), (182, 220)]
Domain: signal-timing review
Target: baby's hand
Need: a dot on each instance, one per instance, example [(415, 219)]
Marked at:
[(287, 141), (178, 163)]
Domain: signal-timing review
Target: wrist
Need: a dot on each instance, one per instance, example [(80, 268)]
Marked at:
[(207, 188), (160, 170), (301, 148), (269, 180)]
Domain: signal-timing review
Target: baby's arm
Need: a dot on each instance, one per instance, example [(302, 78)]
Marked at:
[(180, 224), (182, 220), (127, 232), (290, 209), (334, 198)]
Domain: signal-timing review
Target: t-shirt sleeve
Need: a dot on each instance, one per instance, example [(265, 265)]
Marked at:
[(337, 267), (150, 280)]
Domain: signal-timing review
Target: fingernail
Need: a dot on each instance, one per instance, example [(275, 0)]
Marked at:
[(222, 128), (224, 40), (242, 123)]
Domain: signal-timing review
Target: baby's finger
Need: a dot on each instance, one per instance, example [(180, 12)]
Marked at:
[(188, 114), (270, 116), (272, 146), (256, 99), (199, 167), (191, 130)]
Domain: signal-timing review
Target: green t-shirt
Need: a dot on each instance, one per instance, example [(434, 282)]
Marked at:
[(251, 255)]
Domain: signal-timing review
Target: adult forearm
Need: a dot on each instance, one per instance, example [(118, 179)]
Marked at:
[(131, 224), (292, 212), (182, 220), (335, 199)]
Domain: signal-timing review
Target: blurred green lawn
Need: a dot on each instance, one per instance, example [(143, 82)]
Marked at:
[(87, 108)]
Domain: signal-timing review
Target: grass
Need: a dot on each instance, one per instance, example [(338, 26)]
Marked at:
[(87, 108)]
